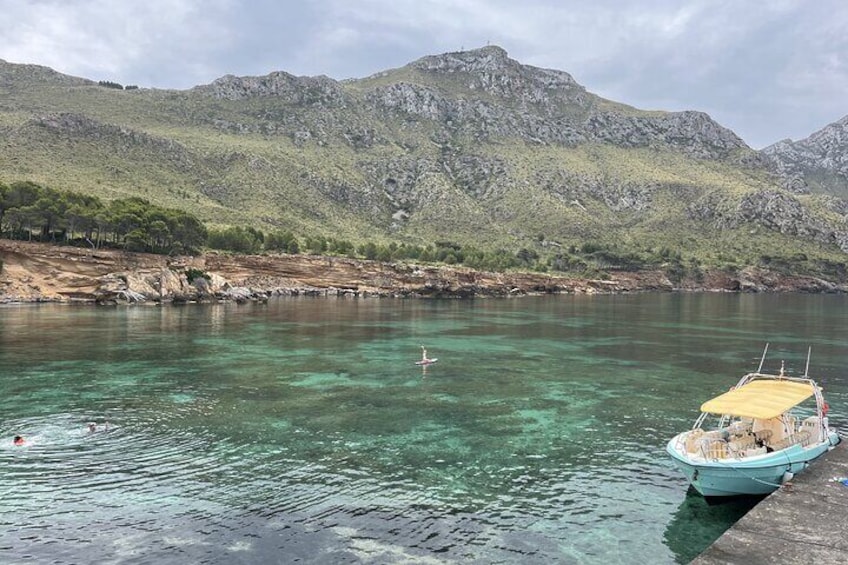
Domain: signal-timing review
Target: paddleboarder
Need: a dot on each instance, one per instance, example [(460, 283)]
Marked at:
[(424, 359)]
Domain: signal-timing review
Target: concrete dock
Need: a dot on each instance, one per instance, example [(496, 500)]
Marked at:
[(804, 522)]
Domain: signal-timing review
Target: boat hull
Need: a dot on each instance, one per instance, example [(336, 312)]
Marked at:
[(750, 476)]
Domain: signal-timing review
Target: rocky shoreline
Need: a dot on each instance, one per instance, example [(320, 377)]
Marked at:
[(36, 272)]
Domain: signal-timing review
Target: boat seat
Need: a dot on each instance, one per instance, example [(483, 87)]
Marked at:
[(738, 446), (804, 437), (714, 449), (740, 428), (813, 426), (746, 441), (778, 445), (783, 443), (791, 425), (779, 427), (693, 439), (754, 451), (812, 423), (763, 435)]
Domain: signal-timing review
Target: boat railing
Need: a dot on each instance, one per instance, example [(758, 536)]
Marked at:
[(803, 437), (753, 376), (740, 439), (814, 426)]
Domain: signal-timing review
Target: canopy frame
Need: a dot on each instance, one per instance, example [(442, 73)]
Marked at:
[(762, 396)]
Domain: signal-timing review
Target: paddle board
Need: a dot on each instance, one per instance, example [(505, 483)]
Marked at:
[(427, 362)]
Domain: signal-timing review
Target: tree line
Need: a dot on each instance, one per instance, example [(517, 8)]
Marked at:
[(115, 85), (33, 212), (29, 211), (251, 241)]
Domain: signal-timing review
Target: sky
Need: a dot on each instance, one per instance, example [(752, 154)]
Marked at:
[(766, 69)]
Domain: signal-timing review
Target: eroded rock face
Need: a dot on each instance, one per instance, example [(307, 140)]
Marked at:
[(120, 139), (10, 73), (480, 93), (316, 91), (774, 210), (694, 133), (490, 70), (819, 162), (544, 106), (541, 106), (34, 272)]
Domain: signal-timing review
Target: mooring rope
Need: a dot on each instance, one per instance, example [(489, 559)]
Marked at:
[(755, 479)]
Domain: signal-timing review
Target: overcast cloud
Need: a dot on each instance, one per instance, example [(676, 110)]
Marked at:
[(768, 70)]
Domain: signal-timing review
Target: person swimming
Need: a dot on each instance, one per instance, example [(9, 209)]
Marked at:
[(18, 440)]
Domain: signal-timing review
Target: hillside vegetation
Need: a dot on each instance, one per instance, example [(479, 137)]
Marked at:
[(472, 148)]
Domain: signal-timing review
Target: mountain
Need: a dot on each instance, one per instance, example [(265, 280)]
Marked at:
[(818, 163), (470, 147)]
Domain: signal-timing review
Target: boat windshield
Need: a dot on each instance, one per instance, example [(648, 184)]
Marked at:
[(759, 399)]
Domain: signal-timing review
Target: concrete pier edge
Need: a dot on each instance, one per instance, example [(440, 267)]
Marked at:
[(803, 522)]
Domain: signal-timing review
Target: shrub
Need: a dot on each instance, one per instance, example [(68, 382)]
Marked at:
[(237, 239), (192, 274)]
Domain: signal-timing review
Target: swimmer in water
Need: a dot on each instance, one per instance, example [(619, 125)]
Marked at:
[(19, 440), (92, 427)]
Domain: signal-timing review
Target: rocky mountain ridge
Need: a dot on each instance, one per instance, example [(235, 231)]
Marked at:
[(471, 146), (490, 96), (817, 163)]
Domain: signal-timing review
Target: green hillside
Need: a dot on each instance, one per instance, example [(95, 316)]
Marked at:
[(470, 147)]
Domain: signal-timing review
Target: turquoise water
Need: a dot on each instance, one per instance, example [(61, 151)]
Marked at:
[(302, 431)]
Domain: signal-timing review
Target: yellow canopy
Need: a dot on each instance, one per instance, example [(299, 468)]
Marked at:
[(759, 399)]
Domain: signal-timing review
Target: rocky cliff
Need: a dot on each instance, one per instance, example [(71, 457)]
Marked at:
[(818, 163), (34, 272), (481, 93)]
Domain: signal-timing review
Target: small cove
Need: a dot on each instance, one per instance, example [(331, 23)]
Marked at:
[(301, 428)]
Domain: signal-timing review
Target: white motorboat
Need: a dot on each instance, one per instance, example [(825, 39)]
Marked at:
[(766, 429)]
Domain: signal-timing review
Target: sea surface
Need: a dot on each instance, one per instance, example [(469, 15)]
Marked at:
[(301, 431)]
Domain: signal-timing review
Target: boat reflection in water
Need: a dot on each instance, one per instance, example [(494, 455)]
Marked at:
[(699, 521)]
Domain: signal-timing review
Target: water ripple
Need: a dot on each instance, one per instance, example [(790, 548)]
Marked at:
[(253, 438)]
